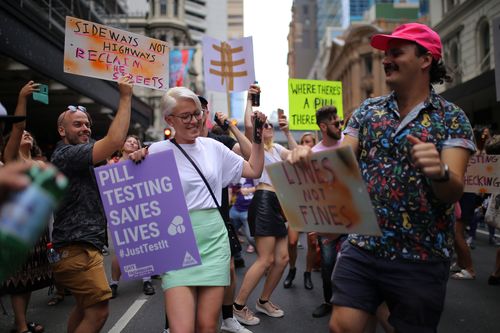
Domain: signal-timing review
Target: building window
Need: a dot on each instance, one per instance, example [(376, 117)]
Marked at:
[(176, 8), (484, 45), (163, 7), (454, 61), (367, 64), (306, 42)]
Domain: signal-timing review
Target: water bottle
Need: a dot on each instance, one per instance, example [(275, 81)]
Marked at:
[(26, 214), (52, 255), (256, 97)]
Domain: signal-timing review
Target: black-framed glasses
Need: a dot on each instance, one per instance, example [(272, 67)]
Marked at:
[(72, 108), (186, 117), (267, 126)]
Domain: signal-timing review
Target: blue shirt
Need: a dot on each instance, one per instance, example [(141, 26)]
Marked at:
[(415, 224)]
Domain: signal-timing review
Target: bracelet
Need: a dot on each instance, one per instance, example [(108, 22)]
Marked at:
[(445, 177)]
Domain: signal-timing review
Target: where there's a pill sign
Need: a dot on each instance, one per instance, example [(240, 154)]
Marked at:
[(307, 96)]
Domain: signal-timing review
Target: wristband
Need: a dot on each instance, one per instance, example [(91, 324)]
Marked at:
[(445, 177)]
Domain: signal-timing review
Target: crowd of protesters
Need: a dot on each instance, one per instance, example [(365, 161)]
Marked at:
[(412, 143)]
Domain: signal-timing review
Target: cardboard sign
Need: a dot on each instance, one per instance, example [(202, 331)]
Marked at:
[(147, 216), (483, 174), (96, 50), (328, 195), (228, 66), (307, 96)]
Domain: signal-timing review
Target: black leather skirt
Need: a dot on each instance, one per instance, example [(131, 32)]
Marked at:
[(265, 217)]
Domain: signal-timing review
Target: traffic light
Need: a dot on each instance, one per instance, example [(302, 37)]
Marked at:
[(167, 133)]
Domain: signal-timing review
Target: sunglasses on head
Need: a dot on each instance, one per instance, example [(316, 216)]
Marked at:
[(267, 125), (72, 108)]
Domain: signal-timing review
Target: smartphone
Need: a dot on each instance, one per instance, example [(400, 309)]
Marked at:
[(42, 95), (281, 113), (224, 126)]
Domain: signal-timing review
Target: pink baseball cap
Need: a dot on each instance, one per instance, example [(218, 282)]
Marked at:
[(415, 32)]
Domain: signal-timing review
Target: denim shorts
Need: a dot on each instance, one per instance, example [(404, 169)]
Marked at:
[(413, 291)]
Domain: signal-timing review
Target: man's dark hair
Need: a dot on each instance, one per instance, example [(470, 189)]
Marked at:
[(325, 113), (438, 72)]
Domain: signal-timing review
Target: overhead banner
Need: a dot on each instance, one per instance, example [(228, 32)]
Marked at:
[(307, 96), (483, 174), (103, 52), (326, 195), (147, 216), (180, 61), (228, 66)]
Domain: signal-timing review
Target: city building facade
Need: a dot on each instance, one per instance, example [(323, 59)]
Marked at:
[(302, 38), (466, 29), (183, 23)]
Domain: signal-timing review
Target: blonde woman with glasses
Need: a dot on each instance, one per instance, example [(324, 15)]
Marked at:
[(194, 296)]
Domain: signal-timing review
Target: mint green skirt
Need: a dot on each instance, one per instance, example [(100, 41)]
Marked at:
[(213, 245)]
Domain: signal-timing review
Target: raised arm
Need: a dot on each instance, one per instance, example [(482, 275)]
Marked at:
[(292, 144), (244, 145), (253, 168), (11, 151), (249, 111), (118, 129)]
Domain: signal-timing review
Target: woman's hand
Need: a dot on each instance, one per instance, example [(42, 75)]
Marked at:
[(139, 155)]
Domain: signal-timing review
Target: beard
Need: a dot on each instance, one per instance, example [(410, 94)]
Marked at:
[(333, 135)]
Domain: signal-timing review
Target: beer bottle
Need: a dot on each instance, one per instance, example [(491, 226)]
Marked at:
[(256, 97)]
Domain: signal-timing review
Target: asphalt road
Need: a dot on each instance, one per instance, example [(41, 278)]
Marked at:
[(471, 306)]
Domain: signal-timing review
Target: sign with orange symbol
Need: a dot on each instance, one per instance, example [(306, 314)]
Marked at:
[(228, 66), (325, 195), (483, 174), (103, 52)]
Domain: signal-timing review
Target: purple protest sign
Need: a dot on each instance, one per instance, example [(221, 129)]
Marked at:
[(147, 216)]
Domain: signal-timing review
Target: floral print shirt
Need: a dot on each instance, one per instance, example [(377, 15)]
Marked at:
[(415, 224)]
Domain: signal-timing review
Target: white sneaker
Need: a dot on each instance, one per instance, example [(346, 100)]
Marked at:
[(269, 309), (245, 316), (231, 325), (166, 330)]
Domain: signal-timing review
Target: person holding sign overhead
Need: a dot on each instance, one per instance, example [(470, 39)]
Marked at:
[(79, 233), (194, 296), (413, 147)]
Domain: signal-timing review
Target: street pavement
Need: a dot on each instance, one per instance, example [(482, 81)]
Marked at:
[(471, 306)]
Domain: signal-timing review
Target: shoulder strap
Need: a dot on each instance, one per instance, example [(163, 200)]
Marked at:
[(199, 172)]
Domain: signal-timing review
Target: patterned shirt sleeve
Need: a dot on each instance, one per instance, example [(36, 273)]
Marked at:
[(460, 133), (354, 124)]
